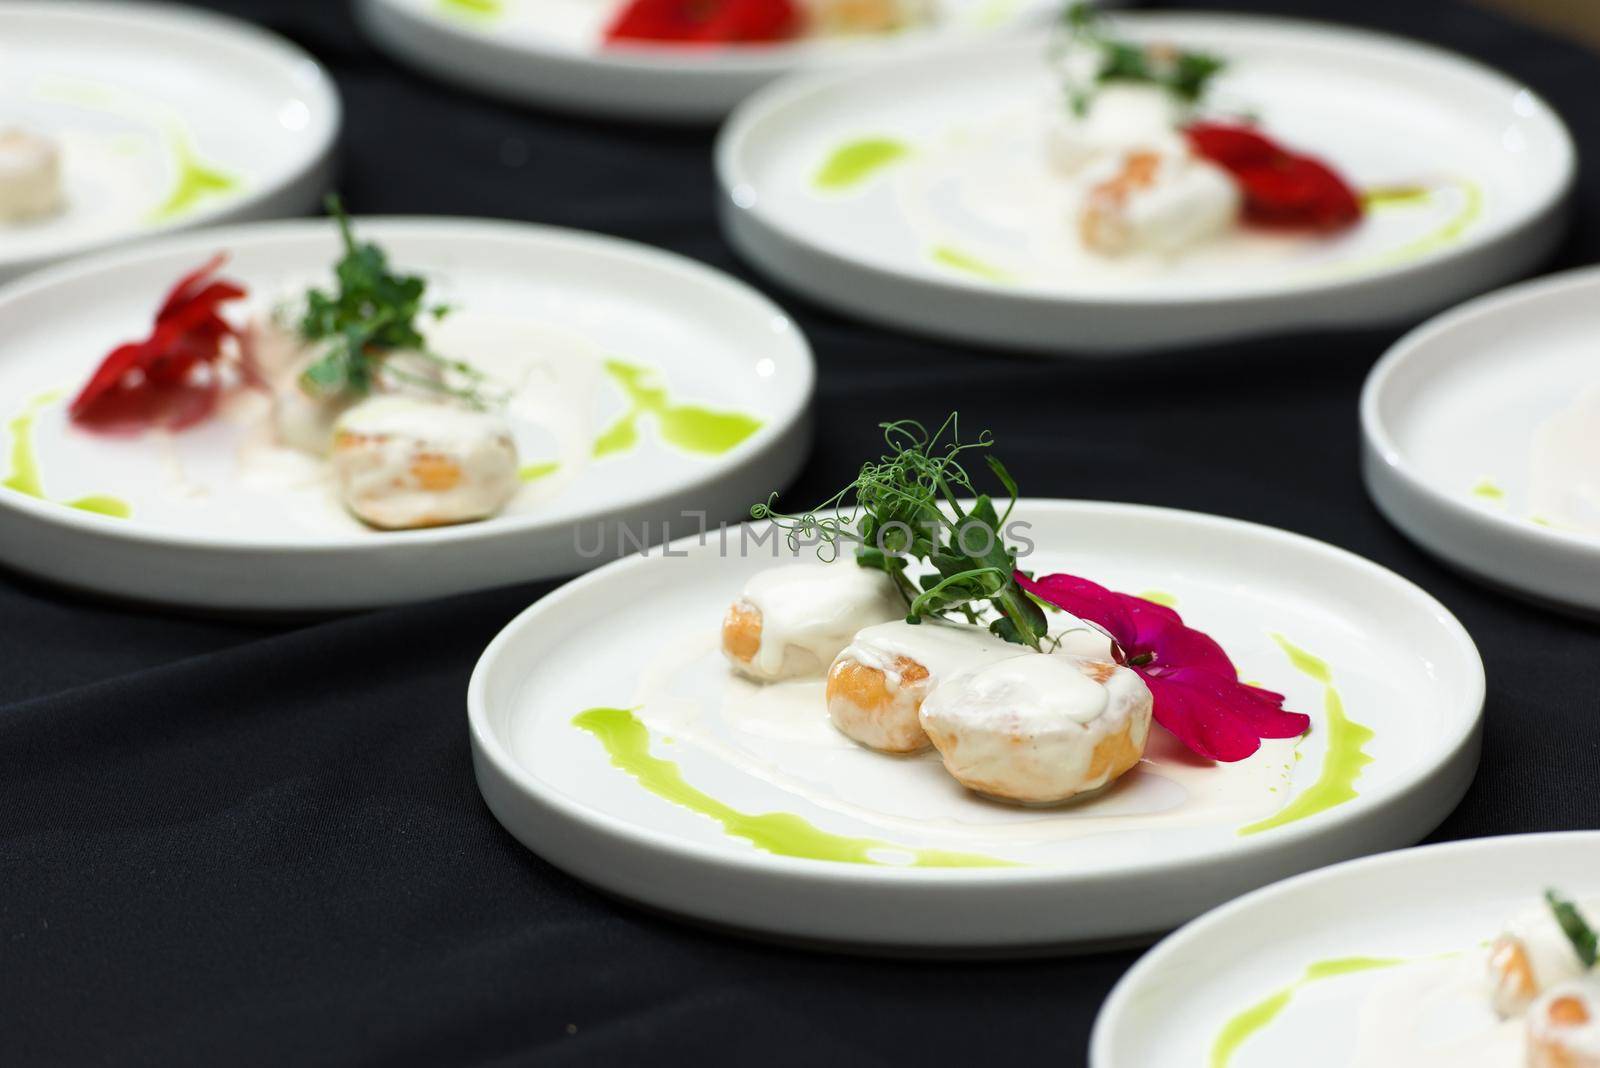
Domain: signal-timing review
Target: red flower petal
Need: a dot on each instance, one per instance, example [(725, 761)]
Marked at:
[(188, 332), (1281, 188), (706, 21)]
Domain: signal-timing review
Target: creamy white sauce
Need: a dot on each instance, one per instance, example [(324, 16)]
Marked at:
[(939, 649), (1568, 1045), (1549, 952), (1184, 201), (1447, 1012), (1026, 728), (1435, 1014), (1119, 118), (780, 732), (404, 462), (550, 380), (1036, 693), (944, 649), (30, 175), (811, 611), (1564, 487)]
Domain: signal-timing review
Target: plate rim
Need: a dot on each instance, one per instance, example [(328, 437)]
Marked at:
[(736, 205), (133, 531), (181, 17), (1126, 988), (487, 745), (1386, 450), (733, 60)]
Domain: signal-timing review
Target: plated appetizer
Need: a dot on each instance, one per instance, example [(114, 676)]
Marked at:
[(1530, 998), (1144, 181), (99, 144), (1034, 690), (344, 415), (1150, 169), (413, 439), (347, 387), (746, 22), (909, 678)]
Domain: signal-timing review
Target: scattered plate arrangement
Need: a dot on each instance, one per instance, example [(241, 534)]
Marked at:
[(936, 194), (1481, 439), (553, 54), (1384, 960), (221, 420), (641, 385), (620, 746), (231, 123)]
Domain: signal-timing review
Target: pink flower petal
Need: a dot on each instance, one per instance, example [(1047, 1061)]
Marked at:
[(1201, 720), (1260, 710), (1176, 645), (1086, 600), (1195, 687)]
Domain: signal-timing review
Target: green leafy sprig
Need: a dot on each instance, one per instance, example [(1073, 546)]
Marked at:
[(372, 314), (1584, 941), (1183, 74), (908, 505)]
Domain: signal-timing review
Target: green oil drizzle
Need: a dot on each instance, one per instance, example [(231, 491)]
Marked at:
[(967, 263), (1445, 234), (196, 181), (1160, 597), (1489, 490), (1341, 765), (24, 477), (479, 9), (857, 161), (1399, 196), (627, 741), (1237, 1030), (534, 472), (686, 426), (996, 13)]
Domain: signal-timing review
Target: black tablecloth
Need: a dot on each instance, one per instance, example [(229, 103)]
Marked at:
[(233, 842)]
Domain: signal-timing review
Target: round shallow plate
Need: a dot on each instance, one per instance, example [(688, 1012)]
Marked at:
[(549, 53), (961, 232), (717, 415), (1377, 961), (609, 736), (1481, 435), (167, 117)]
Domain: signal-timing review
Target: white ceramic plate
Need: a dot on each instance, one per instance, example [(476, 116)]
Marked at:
[(964, 236), (549, 53), (1174, 838), (1481, 433), (218, 520), (167, 117), (1378, 956)]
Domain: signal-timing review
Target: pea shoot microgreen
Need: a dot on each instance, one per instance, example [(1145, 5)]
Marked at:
[(371, 314), (1183, 74), (918, 502), (1583, 938)]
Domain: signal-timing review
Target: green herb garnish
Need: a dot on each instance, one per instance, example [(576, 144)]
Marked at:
[(1183, 74), (1576, 928), (908, 505), (373, 314)]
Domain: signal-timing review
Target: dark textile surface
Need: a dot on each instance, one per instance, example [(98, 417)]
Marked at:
[(239, 843)]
